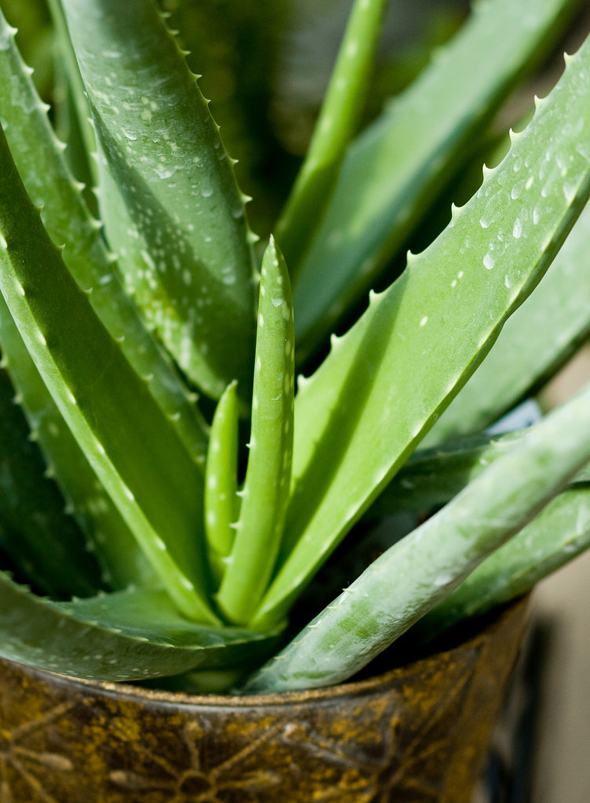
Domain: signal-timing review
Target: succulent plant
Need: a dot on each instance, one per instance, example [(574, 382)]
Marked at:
[(142, 537)]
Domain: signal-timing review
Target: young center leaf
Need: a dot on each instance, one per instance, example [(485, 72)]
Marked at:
[(221, 482), (266, 489)]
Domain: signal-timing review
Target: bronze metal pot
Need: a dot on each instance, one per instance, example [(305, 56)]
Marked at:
[(418, 733)]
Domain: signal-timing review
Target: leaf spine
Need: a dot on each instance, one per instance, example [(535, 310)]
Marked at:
[(455, 211), (253, 239), (303, 381)]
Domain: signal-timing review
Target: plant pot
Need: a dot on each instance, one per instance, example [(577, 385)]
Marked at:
[(417, 733)]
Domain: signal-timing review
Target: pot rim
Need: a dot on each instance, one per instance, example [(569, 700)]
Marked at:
[(354, 688)]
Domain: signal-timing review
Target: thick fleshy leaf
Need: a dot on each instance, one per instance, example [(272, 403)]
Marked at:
[(389, 378), (425, 567), (169, 198), (40, 537), (266, 489), (434, 476), (127, 439), (221, 482), (40, 160), (71, 107), (395, 169), (132, 635), (556, 536), (334, 129), (121, 560), (552, 323)]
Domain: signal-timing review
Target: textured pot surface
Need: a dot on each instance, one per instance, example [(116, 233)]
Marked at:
[(418, 733)]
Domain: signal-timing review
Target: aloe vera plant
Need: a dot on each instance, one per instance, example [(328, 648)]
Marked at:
[(170, 485)]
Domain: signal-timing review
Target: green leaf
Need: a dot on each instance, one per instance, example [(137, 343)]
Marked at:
[(121, 560), (182, 236), (37, 533), (77, 110), (426, 566), (394, 170), (537, 340), (266, 488), (335, 127), (387, 380), (40, 161), (129, 442), (221, 481), (434, 476), (560, 533), (132, 635)]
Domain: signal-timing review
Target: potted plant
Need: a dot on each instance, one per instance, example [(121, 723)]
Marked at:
[(179, 553)]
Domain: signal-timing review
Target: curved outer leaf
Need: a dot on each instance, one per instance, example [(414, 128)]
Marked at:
[(130, 444), (43, 541), (46, 176), (121, 560), (266, 488), (186, 221), (132, 635), (40, 156), (336, 124), (387, 380), (393, 170), (560, 533), (533, 345), (423, 568)]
